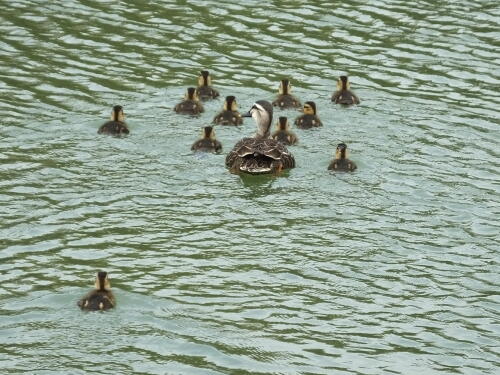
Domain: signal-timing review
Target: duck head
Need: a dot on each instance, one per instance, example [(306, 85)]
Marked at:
[(191, 94), (343, 83), (283, 124), (285, 87), (341, 151), (230, 104), (208, 132), (102, 281), (117, 113), (262, 113), (204, 78), (309, 108)]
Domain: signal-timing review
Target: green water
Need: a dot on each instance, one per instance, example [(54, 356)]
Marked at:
[(390, 270)]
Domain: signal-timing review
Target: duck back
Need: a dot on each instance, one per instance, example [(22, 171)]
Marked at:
[(189, 107), (287, 101), (228, 118), (207, 145), (116, 128), (259, 156), (342, 165), (97, 300), (207, 92), (308, 121), (346, 97)]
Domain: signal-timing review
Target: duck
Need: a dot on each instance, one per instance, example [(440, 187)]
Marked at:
[(283, 134), (191, 104), (309, 119), (259, 154), (116, 126), (207, 142), (229, 114), (341, 163), (205, 90), (344, 95), (101, 298), (285, 99)]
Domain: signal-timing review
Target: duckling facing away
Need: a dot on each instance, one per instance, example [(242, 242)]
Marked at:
[(229, 115), (116, 126), (205, 90), (341, 163), (207, 142), (260, 154), (283, 134), (191, 104), (309, 119), (344, 95), (285, 99), (100, 298)]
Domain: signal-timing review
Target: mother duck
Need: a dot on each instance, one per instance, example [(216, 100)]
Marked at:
[(260, 154)]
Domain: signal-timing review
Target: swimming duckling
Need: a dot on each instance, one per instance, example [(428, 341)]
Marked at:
[(283, 134), (191, 104), (207, 142), (117, 124), (205, 90), (341, 163), (229, 114), (309, 119), (100, 298), (260, 154), (285, 99), (344, 95)]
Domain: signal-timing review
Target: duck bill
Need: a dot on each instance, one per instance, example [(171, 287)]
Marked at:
[(248, 114)]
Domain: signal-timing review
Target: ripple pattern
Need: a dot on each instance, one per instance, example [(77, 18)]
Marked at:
[(392, 269)]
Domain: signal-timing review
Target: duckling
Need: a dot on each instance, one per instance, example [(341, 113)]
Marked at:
[(283, 134), (344, 95), (285, 99), (259, 154), (341, 163), (100, 298), (309, 119), (116, 126), (205, 90), (207, 142), (191, 104), (229, 115)]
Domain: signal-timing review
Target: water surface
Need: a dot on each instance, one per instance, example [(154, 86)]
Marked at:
[(391, 269)]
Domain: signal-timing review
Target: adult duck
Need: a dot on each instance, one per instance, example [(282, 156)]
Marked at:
[(260, 154)]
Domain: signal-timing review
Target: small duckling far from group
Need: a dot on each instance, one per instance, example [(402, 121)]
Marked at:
[(205, 91), (101, 298), (207, 142), (309, 119), (229, 115), (341, 163), (284, 134), (116, 126), (191, 104), (285, 99), (344, 95), (260, 154)]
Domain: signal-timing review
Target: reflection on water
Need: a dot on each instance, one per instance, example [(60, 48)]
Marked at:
[(393, 268)]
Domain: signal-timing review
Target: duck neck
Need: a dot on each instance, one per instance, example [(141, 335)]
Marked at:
[(262, 135)]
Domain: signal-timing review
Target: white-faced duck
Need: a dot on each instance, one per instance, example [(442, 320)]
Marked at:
[(260, 154)]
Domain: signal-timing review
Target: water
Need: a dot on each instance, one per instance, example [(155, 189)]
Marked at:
[(391, 269)]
